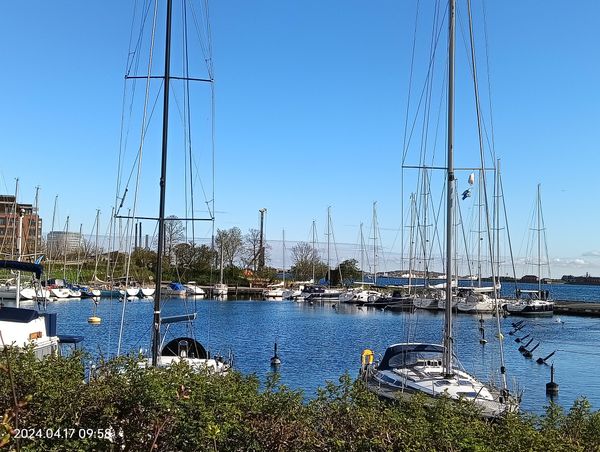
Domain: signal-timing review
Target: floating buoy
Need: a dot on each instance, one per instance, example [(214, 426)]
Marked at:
[(275, 361), (552, 387), (94, 320)]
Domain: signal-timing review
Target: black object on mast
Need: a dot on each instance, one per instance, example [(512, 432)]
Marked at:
[(448, 339), (163, 183)]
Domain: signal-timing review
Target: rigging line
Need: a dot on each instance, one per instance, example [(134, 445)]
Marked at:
[(422, 95), (483, 175), (135, 164), (429, 91), (139, 168), (189, 120), (487, 61), (205, 41), (410, 78), (133, 55), (543, 226), (472, 62), (131, 58), (460, 219)]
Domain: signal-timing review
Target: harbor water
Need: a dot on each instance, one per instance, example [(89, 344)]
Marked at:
[(319, 342)]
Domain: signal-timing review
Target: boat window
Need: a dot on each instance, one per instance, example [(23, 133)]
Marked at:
[(464, 383), (467, 395), (389, 379), (442, 383)]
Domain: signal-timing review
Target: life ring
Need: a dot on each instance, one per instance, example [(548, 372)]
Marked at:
[(367, 357)]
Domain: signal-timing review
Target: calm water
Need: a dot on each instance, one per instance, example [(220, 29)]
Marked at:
[(318, 343)]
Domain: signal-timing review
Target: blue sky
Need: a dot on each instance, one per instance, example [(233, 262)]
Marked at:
[(311, 100)]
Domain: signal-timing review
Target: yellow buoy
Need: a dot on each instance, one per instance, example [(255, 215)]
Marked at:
[(94, 320)]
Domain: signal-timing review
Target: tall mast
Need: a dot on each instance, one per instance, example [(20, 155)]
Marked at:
[(163, 184), (53, 244), (539, 241), (36, 216), (96, 246), (328, 241), (362, 254), (19, 234), (283, 254), (375, 242), (448, 340), (312, 258), (65, 250)]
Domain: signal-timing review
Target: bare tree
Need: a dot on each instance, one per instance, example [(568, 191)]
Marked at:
[(230, 241), (251, 252), (174, 234), (304, 258)]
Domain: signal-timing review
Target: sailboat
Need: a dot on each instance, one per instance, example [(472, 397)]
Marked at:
[(220, 289), (429, 368), (184, 348), (536, 302)]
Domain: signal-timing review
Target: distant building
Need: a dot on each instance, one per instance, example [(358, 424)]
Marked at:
[(31, 231), (59, 242), (529, 279)]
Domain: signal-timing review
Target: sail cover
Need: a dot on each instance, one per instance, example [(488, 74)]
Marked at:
[(23, 266)]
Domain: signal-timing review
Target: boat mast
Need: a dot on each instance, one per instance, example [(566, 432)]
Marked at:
[(283, 254), (539, 241), (312, 258), (375, 243), (362, 254), (328, 246), (163, 183), (65, 251), (19, 235), (36, 216), (449, 195), (96, 247)]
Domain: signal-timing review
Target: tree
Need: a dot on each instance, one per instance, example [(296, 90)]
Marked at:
[(252, 249), (304, 258), (347, 271), (230, 243), (193, 259), (174, 234)]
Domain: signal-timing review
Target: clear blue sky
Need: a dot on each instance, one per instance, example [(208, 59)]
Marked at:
[(310, 110)]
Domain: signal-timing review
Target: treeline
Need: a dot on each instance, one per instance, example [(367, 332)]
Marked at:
[(241, 254), (51, 407)]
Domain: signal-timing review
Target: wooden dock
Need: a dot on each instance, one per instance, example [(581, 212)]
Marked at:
[(591, 309)]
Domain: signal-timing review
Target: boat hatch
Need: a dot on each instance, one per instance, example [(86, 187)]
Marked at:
[(442, 383), (467, 395), (390, 380)]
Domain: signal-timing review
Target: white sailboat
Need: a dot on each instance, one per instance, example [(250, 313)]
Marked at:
[(220, 289), (182, 349), (535, 302), (428, 368)]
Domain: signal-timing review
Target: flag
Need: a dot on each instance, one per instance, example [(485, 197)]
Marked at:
[(466, 194), (471, 178)]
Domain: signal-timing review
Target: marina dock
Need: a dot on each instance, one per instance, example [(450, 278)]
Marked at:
[(590, 309)]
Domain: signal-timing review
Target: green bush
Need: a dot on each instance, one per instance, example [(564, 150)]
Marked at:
[(178, 410)]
